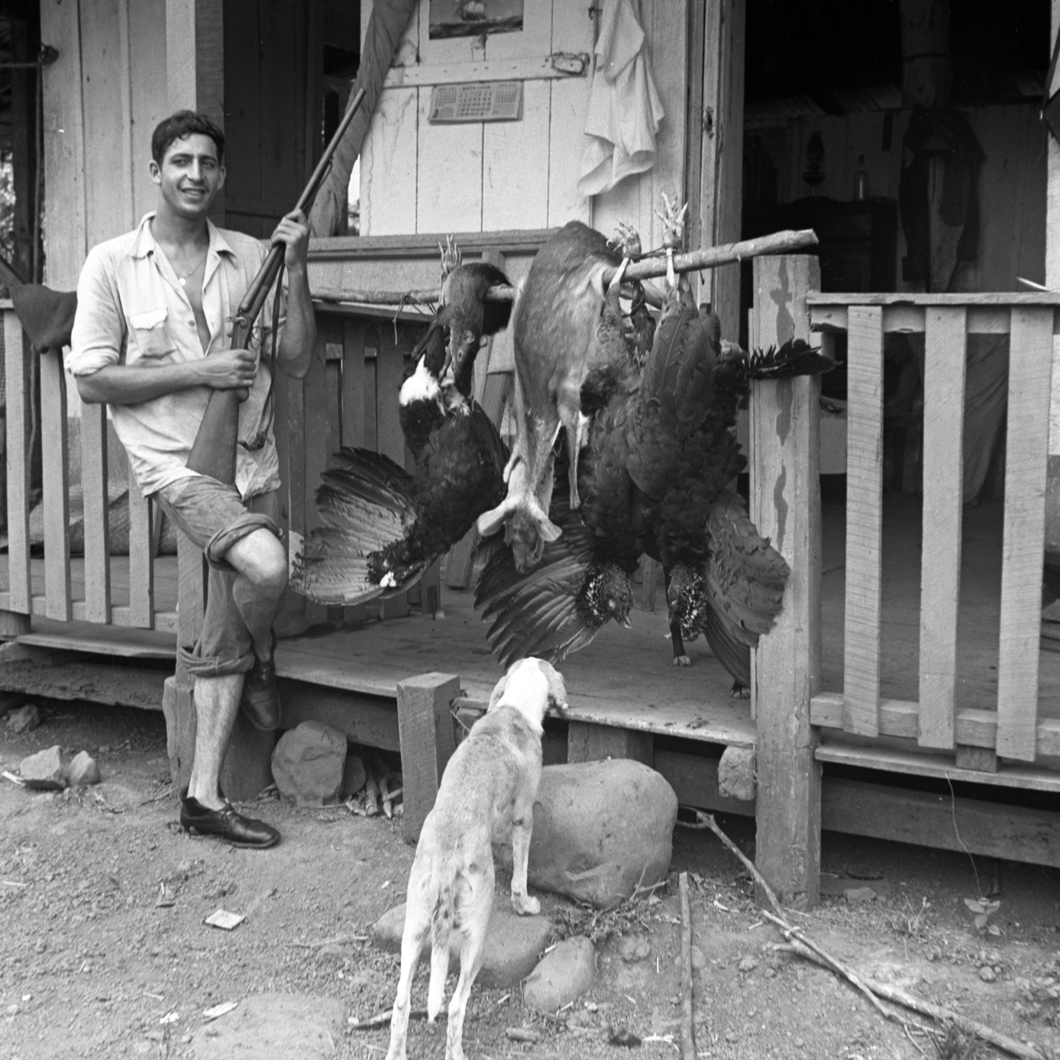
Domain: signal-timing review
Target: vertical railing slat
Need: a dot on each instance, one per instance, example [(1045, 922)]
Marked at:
[(141, 567), (96, 521), (56, 485), (1026, 449), (861, 643), (313, 451), (17, 352), (944, 374)]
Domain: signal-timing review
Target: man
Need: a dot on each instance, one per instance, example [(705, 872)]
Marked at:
[(150, 339)]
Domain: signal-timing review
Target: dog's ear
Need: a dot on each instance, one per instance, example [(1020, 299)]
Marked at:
[(498, 691), (557, 689)]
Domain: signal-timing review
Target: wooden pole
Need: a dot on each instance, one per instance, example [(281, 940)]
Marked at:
[(786, 507), (688, 1041)]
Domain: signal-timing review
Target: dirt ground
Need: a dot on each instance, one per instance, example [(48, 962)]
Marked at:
[(102, 940)]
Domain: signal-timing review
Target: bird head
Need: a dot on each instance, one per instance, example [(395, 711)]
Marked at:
[(686, 597), (606, 595)]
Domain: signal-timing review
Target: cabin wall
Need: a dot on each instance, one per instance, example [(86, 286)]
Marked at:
[(1012, 180), (494, 176)]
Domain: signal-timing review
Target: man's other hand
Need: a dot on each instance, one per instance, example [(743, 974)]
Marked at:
[(293, 232), (229, 369)]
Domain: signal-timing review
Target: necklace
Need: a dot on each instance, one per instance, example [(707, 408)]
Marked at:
[(183, 280)]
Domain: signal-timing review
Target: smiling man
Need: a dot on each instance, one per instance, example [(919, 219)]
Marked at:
[(151, 338)]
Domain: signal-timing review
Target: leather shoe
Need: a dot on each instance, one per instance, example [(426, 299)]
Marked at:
[(225, 823), (261, 699)]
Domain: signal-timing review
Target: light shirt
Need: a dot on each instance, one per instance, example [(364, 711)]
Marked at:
[(131, 310)]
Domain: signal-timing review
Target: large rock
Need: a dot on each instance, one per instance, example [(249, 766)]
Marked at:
[(562, 976), (513, 943), (82, 770), (274, 1027), (600, 830), (308, 761), (44, 770)]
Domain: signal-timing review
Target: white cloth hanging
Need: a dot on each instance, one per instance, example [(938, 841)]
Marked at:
[(624, 106)]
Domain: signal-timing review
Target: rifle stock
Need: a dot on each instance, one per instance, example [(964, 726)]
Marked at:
[(214, 451)]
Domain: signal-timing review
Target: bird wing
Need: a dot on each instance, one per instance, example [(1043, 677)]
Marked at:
[(365, 504), (745, 579), (536, 612)]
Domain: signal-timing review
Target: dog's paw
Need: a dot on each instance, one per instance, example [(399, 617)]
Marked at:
[(524, 905)]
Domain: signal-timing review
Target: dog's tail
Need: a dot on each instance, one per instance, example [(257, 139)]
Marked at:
[(441, 927)]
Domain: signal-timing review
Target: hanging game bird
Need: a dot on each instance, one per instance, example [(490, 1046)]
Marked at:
[(383, 526)]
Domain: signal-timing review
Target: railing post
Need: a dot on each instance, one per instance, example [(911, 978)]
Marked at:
[(786, 507)]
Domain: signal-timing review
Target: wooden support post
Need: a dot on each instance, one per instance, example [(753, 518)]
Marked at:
[(13, 624), (425, 728), (593, 743), (786, 507)]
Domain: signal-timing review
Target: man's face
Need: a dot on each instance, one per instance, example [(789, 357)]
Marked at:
[(190, 175)]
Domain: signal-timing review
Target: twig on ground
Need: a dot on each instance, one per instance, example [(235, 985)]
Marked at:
[(383, 1019), (688, 1044), (335, 940), (371, 793), (810, 950), (159, 797)]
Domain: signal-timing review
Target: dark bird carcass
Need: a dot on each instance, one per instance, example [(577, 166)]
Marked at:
[(382, 525), (555, 328)]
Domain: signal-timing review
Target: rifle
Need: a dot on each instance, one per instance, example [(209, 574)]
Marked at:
[(214, 451)]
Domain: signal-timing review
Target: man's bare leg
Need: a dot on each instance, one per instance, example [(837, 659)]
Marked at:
[(216, 705)]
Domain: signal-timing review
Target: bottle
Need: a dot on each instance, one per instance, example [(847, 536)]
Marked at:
[(861, 181)]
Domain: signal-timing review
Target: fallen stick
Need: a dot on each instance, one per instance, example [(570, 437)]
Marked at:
[(647, 268), (810, 950), (688, 1042), (336, 940), (383, 1019)]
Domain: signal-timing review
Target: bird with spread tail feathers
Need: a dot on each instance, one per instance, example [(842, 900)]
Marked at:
[(382, 525), (655, 480)]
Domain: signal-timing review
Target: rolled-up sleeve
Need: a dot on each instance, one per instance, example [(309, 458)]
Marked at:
[(99, 324)]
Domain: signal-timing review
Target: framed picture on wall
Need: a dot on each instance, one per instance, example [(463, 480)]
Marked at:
[(473, 18)]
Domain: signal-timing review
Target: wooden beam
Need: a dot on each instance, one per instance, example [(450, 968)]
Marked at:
[(594, 743), (425, 728), (56, 482), (786, 507)]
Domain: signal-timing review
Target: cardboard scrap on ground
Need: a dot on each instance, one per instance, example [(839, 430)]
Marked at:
[(224, 920)]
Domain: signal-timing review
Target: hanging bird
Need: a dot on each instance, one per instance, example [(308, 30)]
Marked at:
[(383, 526), (555, 329)]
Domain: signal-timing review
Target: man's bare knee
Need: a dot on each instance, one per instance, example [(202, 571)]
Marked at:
[(261, 559)]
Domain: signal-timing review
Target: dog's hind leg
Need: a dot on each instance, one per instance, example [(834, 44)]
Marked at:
[(413, 938), (474, 915), (522, 823)]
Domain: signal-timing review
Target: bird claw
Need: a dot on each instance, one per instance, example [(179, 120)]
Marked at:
[(673, 217), (452, 256), (682, 660), (626, 240)]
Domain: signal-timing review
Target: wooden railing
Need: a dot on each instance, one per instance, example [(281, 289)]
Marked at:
[(1014, 729), (46, 586)]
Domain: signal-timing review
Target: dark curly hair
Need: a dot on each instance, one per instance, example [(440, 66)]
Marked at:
[(184, 123)]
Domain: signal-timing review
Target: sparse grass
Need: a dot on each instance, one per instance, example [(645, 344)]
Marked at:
[(954, 1043), (633, 914)]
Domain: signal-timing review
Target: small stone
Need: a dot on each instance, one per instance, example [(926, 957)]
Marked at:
[(82, 770), (12, 1010), (736, 773), (747, 964), (563, 975), (44, 770), (632, 949), (859, 895), (699, 960), (987, 974), (23, 719), (104, 748)]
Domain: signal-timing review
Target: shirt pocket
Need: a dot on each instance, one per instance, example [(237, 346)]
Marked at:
[(151, 337)]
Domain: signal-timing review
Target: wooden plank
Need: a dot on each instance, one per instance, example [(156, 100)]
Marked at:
[(944, 377), (17, 360), (141, 561), (148, 94), (388, 166), (452, 202), (425, 727), (532, 69), (96, 521), (368, 720), (694, 779), (969, 826), (65, 244), (390, 370), (864, 544), (313, 435), (786, 508), (568, 102), (56, 486), (1026, 448), (1003, 299), (510, 187), (353, 383), (594, 743)]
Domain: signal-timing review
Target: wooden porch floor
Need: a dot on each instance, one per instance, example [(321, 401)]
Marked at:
[(625, 677)]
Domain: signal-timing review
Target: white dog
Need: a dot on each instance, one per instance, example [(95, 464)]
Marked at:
[(486, 795)]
